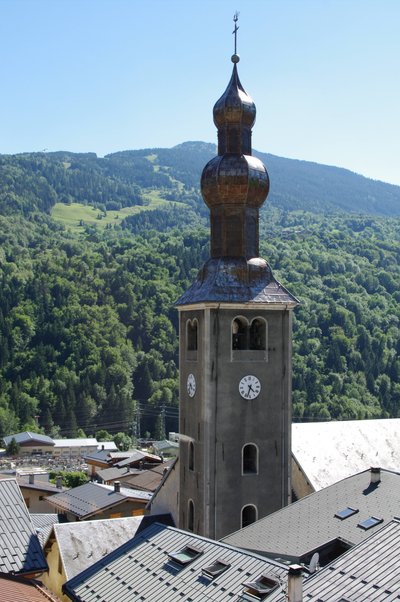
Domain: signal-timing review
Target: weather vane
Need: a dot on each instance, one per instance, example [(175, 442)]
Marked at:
[(235, 19)]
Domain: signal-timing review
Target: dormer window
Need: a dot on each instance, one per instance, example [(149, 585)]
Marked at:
[(185, 556)]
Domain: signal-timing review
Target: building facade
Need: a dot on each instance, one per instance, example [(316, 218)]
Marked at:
[(235, 347)]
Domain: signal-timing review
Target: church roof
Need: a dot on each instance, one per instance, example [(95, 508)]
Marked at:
[(237, 280)]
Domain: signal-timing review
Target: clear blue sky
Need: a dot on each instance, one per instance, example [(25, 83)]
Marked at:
[(108, 75)]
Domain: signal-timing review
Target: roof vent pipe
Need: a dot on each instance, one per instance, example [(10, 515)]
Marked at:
[(31, 479), (295, 583), (117, 486), (375, 475)]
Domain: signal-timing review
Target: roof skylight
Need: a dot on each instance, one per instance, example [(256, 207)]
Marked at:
[(370, 522), (186, 555), (258, 589), (346, 512), (215, 569)]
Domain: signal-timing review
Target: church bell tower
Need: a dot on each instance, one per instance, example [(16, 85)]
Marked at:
[(235, 346)]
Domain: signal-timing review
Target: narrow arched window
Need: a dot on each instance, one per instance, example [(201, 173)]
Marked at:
[(258, 334), (239, 333), (250, 459), (192, 335), (190, 515), (249, 515), (191, 455)]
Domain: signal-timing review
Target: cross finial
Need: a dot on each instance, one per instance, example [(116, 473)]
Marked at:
[(235, 19)]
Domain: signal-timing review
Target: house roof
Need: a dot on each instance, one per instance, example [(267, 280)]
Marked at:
[(165, 444), (13, 589), (27, 438), (299, 529), (107, 445), (81, 544), (138, 456), (20, 549), (91, 498), (39, 484), (369, 571), (142, 566), (88, 442), (344, 448), (102, 455), (43, 524)]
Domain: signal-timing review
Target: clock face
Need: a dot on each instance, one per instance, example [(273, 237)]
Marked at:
[(191, 385), (249, 387)]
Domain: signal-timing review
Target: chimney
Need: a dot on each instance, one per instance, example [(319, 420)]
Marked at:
[(102, 448), (295, 583), (59, 482), (375, 475), (31, 479), (117, 486)]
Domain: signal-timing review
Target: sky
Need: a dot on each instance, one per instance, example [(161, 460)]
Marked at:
[(111, 75)]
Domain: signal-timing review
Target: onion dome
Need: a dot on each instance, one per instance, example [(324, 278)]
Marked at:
[(234, 184)]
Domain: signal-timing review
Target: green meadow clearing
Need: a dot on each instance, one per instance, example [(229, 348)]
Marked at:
[(76, 216)]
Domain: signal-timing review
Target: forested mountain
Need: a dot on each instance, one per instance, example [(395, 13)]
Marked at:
[(88, 331)]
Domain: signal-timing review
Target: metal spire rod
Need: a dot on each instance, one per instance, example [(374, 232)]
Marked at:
[(235, 19)]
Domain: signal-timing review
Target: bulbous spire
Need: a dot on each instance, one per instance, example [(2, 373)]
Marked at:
[(234, 184)]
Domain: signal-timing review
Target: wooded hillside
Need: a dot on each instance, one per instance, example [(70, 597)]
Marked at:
[(88, 331)]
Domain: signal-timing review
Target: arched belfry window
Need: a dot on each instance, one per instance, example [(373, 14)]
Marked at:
[(239, 333), (249, 339), (191, 335), (191, 455), (258, 334), (249, 515), (192, 338), (250, 459), (190, 515)]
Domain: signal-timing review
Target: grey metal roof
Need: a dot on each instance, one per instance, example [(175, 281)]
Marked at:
[(83, 442), (91, 498), (28, 438), (20, 550), (43, 525), (237, 280), (102, 455), (137, 457), (141, 570), (330, 451), (310, 523), (369, 571), (81, 544)]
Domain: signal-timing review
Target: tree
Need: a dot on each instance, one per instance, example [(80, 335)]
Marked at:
[(69, 478), (12, 448), (122, 441)]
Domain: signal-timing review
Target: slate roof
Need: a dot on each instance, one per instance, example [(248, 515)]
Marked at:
[(81, 544), (20, 550), (28, 438), (91, 498), (141, 567), (13, 589), (368, 572), (293, 532), (330, 451)]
